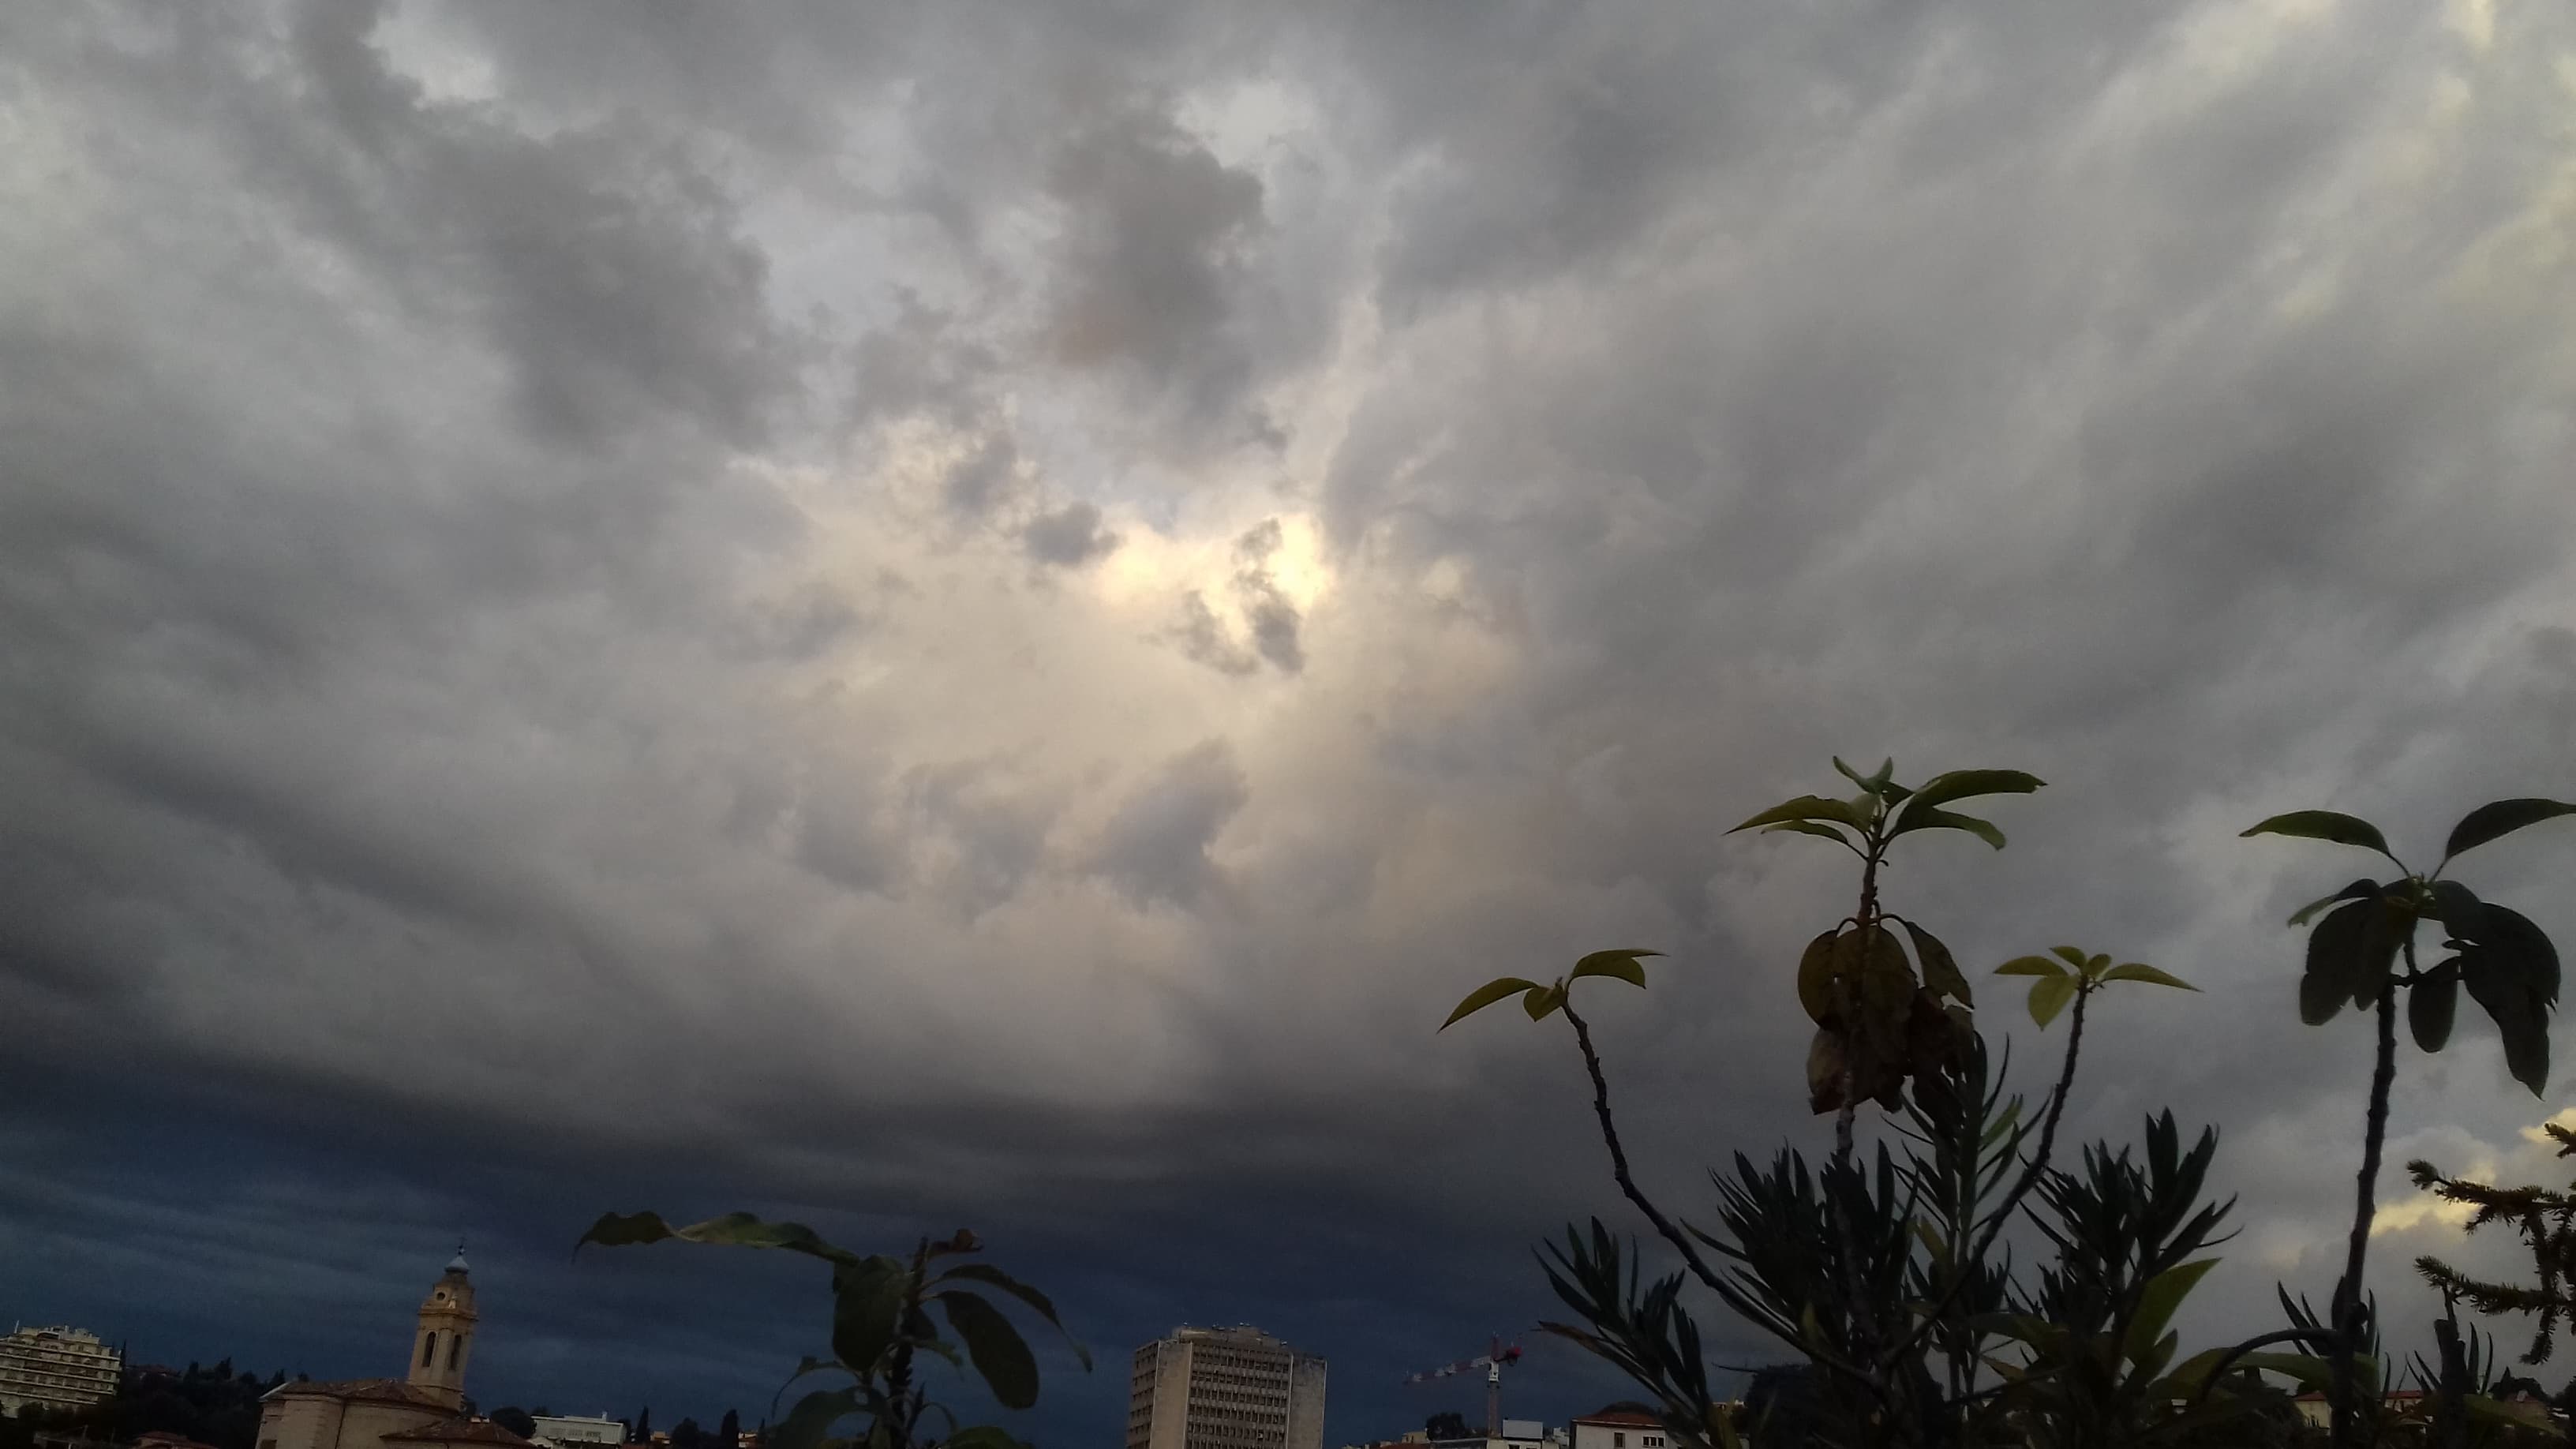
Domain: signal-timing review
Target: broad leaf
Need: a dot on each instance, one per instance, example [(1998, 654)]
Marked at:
[(2459, 910), (2326, 825), (1621, 964), (1486, 995), (987, 1273), (2140, 971), (2072, 955), (2502, 987), (2498, 818), (867, 1305), (999, 1353), (2049, 996), (2158, 1300), (1924, 819), (741, 1230), (2030, 966), (1807, 807), (1940, 968), (1543, 1003), (1952, 785), (1816, 977), (812, 1418), (2358, 890), (2431, 1003), (2348, 958)]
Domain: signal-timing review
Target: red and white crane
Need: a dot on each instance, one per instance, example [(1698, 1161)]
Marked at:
[(1492, 1361)]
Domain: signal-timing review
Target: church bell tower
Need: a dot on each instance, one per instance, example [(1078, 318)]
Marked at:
[(446, 1336)]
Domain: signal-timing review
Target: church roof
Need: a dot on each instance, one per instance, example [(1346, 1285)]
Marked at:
[(459, 1430), (384, 1391)]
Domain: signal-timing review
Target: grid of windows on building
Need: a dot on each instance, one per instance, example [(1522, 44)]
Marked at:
[(1224, 1388), (59, 1367)]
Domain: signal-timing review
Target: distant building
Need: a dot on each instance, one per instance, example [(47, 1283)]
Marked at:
[(424, 1410), (1224, 1388), (1517, 1434), (1619, 1428), (59, 1367), (578, 1429)]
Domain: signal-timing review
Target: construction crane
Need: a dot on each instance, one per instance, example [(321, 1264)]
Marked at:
[(1492, 1361)]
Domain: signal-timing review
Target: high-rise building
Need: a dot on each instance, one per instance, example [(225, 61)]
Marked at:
[(61, 1367), (1224, 1388)]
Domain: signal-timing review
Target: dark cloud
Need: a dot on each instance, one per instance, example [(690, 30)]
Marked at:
[(922, 614)]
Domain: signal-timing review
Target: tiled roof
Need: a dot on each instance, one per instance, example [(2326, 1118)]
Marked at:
[(460, 1430), (1622, 1419), (159, 1439), (387, 1391)]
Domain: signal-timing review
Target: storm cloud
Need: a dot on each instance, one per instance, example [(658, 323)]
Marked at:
[(927, 614)]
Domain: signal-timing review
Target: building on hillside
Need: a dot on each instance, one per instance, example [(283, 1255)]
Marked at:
[(59, 1367), (1619, 1427), (1224, 1388), (561, 1429), (425, 1409)]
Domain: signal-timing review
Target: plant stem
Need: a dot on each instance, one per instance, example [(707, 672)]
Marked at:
[(2347, 1416), (1619, 1157), (2047, 1129)]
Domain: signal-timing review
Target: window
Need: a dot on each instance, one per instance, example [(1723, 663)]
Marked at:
[(1618, 1439), (456, 1345), (428, 1348)]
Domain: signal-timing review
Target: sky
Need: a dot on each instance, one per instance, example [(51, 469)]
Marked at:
[(912, 615)]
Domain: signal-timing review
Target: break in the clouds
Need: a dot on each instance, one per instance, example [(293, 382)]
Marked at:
[(984, 612)]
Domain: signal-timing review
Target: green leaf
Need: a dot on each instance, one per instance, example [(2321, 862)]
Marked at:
[(2326, 825), (741, 1230), (1952, 785), (2049, 996), (1621, 964), (2458, 909), (812, 1418), (1917, 818), (987, 1273), (2072, 955), (1543, 1003), (1000, 1354), (1486, 995), (2431, 1003), (2158, 1300), (2348, 956), (2499, 985), (2030, 966), (2140, 971), (1816, 977), (1807, 807), (1940, 968), (2358, 890), (867, 1305), (2498, 818), (1809, 827)]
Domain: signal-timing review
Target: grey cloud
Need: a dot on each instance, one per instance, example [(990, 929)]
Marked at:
[(1155, 848), (1068, 537)]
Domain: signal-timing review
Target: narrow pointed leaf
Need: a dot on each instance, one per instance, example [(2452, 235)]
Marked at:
[(2499, 818), (998, 1351), (1952, 785), (2049, 996), (2356, 891), (2140, 971), (2158, 1300), (1808, 827), (1486, 995), (1940, 968), (1806, 807), (1621, 964), (2325, 825), (1919, 818), (2030, 966)]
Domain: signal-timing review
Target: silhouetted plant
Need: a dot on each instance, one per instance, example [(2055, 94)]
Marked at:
[(2505, 962), (881, 1326)]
